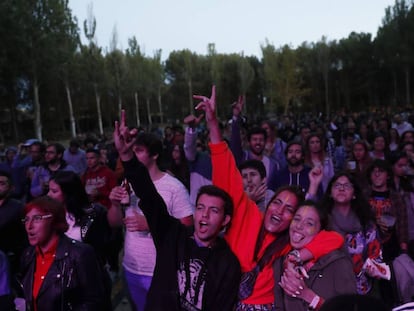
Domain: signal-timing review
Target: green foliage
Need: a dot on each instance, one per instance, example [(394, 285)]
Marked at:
[(40, 45)]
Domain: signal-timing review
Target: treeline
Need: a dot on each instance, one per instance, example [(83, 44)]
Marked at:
[(51, 84)]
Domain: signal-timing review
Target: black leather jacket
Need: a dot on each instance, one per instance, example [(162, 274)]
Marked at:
[(73, 281)]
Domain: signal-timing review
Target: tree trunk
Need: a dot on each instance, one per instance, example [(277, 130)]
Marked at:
[(137, 109), (407, 85), (71, 115), (326, 82), (395, 85), (149, 111), (38, 121), (11, 100), (160, 106), (98, 108), (119, 106), (190, 96)]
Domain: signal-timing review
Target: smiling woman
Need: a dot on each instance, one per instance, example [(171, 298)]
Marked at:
[(57, 273), (329, 276), (350, 214)]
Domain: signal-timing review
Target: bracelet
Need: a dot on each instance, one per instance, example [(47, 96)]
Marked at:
[(315, 301), (296, 254)]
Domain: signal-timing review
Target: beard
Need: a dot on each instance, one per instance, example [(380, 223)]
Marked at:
[(294, 162), (4, 194)]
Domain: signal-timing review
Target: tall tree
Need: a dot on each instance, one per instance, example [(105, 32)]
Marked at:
[(135, 61), (283, 75), (396, 42), (117, 70), (93, 63)]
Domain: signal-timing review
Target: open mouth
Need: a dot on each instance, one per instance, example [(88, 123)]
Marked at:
[(297, 237), (276, 219), (203, 226)]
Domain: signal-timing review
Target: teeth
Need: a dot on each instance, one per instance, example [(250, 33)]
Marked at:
[(276, 218)]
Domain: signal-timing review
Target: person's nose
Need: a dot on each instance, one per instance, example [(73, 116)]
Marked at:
[(299, 225), (280, 210), (205, 213)]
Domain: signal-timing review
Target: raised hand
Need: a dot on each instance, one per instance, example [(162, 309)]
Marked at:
[(208, 105), (315, 178), (192, 121), (257, 193), (238, 106), (124, 138), (117, 194)]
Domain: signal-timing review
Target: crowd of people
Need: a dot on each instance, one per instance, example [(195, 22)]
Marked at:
[(284, 214)]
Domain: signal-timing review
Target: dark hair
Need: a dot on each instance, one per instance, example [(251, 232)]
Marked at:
[(254, 164), (291, 143), (48, 205), (256, 130), (294, 189), (384, 136), (405, 133), (359, 203), (347, 134), (41, 145), (367, 158), (282, 239), (74, 143), (321, 153), (383, 165), (60, 149), (93, 150), (74, 194), (395, 156), (219, 193), (152, 143), (406, 144), (8, 176), (271, 126), (322, 214)]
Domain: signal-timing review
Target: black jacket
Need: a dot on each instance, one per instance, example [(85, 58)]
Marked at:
[(73, 281), (13, 238), (214, 273)]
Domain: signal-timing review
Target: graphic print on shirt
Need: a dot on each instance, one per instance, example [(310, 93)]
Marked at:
[(97, 182), (191, 283)]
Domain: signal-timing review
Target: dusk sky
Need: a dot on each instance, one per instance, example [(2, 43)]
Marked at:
[(234, 26)]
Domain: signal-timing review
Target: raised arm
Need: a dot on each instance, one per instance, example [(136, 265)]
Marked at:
[(151, 203), (190, 137), (209, 107), (227, 177), (235, 141)]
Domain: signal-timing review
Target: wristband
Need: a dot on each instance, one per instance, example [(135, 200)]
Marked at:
[(315, 301), (296, 254)]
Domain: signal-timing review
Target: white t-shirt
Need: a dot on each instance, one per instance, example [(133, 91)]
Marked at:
[(139, 248)]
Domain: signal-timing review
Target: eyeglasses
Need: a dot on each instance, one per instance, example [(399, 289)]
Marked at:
[(346, 186), (36, 218)]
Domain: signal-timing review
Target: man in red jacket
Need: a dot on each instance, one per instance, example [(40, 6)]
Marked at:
[(98, 179)]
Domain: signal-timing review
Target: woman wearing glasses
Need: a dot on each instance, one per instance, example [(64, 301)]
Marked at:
[(350, 214), (57, 273)]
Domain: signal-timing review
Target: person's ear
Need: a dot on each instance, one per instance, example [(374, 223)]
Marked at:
[(226, 220)]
